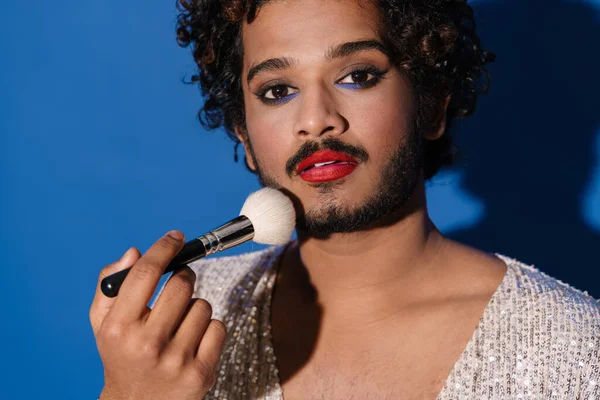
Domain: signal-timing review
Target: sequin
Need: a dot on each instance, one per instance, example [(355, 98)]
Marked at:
[(538, 338)]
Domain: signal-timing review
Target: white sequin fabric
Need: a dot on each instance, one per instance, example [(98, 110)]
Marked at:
[(538, 338)]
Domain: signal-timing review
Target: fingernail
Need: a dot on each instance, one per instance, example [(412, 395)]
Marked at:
[(176, 235)]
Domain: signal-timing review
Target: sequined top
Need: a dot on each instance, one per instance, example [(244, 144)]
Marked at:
[(538, 338)]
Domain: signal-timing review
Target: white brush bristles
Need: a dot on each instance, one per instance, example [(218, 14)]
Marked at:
[(272, 215)]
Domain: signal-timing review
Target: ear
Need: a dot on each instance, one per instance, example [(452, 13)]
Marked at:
[(441, 126), (242, 135)]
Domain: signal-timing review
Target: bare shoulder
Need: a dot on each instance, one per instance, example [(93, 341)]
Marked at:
[(472, 269), (525, 288), (534, 326)]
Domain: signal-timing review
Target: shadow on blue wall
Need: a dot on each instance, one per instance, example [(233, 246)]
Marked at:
[(528, 152)]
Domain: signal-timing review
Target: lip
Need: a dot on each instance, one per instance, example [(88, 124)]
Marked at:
[(345, 165)]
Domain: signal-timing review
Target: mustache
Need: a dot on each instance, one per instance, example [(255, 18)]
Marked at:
[(334, 144)]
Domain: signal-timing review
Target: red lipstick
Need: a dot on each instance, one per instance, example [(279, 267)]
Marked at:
[(326, 165)]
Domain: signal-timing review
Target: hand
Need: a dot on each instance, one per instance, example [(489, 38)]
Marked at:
[(168, 352)]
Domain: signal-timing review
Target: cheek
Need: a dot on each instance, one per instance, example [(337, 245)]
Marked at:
[(269, 140), (386, 119)]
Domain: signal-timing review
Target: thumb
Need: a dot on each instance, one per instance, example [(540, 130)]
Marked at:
[(101, 304)]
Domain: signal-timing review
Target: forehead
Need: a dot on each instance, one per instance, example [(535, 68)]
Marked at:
[(305, 29)]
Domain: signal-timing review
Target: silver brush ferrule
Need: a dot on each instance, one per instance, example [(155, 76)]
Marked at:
[(236, 231)]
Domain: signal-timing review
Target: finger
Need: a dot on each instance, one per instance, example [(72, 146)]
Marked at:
[(101, 304), (211, 345), (172, 303), (141, 282), (192, 327)]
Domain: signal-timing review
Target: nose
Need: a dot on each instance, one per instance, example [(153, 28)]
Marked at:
[(318, 115)]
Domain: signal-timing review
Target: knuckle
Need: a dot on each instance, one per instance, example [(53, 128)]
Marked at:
[(92, 312), (188, 274), (219, 328), (182, 285), (205, 373), (202, 307), (111, 333), (210, 381), (174, 362), (149, 348), (145, 270), (94, 320), (168, 243)]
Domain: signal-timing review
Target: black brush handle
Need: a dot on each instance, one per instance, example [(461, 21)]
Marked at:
[(192, 251)]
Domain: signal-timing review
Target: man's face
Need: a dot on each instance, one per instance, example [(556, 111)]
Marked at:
[(328, 117)]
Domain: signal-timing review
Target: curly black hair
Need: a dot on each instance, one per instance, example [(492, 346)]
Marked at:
[(432, 41)]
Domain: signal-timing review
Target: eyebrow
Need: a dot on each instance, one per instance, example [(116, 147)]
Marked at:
[(339, 51), (347, 49)]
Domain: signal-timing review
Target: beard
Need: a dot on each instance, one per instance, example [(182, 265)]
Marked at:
[(397, 182)]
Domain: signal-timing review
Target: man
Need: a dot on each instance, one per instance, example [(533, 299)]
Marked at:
[(345, 107)]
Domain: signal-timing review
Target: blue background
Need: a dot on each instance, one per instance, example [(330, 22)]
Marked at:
[(100, 150)]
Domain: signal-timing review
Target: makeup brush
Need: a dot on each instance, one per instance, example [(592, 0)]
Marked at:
[(267, 217)]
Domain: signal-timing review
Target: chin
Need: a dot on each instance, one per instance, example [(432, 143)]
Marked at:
[(328, 196)]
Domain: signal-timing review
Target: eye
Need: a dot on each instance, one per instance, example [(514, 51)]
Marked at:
[(276, 93), (362, 78)]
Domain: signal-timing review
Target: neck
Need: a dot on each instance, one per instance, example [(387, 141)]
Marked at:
[(368, 274)]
